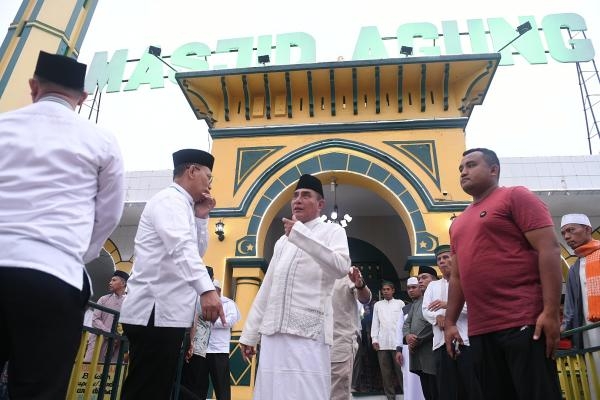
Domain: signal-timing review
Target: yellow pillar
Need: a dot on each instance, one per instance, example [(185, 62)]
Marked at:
[(247, 280), (56, 26)]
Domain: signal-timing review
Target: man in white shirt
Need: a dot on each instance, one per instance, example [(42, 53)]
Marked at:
[(455, 377), (386, 314), (61, 196), (167, 276), (292, 313), (348, 293), (411, 381), (215, 362)]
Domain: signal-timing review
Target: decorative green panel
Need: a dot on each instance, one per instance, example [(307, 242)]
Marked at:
[(423, 153), (248, 158)]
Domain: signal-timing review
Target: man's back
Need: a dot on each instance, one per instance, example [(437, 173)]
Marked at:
[(61, 188)]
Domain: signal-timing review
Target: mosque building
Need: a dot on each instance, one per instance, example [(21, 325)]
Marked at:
[(384, 136)]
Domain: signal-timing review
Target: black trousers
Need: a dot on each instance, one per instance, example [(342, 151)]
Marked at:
[(456, 377), (428, 386), (196, 373), (509, 364), (153, 355), (41, 320)]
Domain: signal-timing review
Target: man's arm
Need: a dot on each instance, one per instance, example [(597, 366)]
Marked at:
[(333, 257), (428, 297), (544, 241), (456, 301), (109, 202), (375, 327), (232, 315)]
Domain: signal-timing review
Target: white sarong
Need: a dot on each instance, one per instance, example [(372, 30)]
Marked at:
[(292, 368)]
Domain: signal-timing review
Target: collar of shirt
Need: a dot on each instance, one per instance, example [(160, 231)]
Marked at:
[(183, 192), (312, 223), (57, 99)]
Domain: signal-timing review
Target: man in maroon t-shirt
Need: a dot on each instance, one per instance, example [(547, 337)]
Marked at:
[(506, 265)]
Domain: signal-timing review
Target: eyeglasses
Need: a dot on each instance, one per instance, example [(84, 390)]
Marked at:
[(197, 167)]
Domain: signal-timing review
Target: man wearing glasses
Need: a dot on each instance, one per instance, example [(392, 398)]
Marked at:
[(168, 274)]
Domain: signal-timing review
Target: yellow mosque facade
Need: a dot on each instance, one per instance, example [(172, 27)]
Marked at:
[(384, 136)]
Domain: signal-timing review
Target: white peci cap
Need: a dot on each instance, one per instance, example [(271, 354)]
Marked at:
[(580, 219)]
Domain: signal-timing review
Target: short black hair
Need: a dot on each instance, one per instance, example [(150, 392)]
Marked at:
[(489, 156), (180, 169), (388, 283)]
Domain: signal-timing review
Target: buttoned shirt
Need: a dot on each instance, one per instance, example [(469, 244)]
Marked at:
[(295, 296), (438, 290), (168, 272), (61, 189), (346, 318), (385, 318), (220, 335)]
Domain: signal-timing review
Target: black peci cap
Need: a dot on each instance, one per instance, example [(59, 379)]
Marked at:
[(62, 70), (193, 156), (307, 181)]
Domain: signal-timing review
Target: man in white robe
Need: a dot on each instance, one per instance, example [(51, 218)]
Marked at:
[(411, 381), (292, 312)]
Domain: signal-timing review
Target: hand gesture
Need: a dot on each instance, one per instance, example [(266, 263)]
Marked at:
[(212, 308), (248, 352), (288, 224), (203, 206), (453, 340), (436, 305), (550, 326), (355, 276)]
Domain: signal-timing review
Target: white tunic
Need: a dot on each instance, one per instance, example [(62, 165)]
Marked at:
[(168, 272), (61, 189), (411, 381), (385, 319), (293, 313), (438, 290), (295, 296)]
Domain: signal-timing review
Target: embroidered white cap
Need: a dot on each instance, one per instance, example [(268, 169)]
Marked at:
[(412, 281), (580, 219)]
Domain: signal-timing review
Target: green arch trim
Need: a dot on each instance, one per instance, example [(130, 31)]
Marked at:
[(430, 203)]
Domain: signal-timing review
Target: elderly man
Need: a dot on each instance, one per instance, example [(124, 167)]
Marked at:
[(418, 334), (411, 381), (61, 196), (454, 376), (292, 312), (104, 320), (346, 330), (582, 300), (167, 276), (506, 265), (386, 314)]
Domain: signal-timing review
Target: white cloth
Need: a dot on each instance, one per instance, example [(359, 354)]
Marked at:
[(61, 189), (295, 296), (438, 290), (411, 381), (220, 335), (386, 314), (168, 272), (292, 368), (346, 319)]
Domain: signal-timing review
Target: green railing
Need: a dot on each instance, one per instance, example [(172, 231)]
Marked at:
[(576, 369)]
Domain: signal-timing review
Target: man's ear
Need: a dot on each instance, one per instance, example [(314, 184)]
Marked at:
[(82, 98)]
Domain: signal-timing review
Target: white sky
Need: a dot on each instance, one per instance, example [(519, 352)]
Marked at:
[(530, 110)]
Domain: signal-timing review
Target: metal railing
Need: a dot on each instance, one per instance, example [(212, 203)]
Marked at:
[(577, 370), (85, 384)]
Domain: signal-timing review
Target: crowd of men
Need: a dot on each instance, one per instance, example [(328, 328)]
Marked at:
[(61, 190)]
